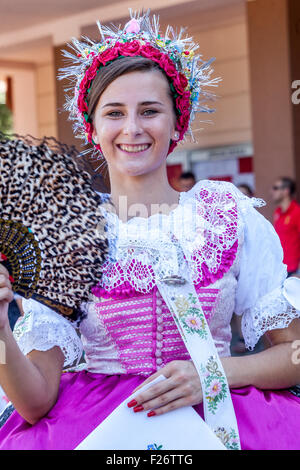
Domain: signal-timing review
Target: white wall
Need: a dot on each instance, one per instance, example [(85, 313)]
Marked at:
[(37, 60), (46, 100), (231, 123), (24, 99)]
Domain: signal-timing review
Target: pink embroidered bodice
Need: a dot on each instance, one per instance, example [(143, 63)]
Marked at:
[(138, 334)]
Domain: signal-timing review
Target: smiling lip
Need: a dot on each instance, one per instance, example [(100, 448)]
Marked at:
[(137, 148)]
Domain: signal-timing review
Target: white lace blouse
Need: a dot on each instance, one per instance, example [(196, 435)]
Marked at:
[(231, 249)]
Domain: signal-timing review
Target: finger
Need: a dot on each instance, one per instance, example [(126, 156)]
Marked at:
[(173, 405), (147, 381), (166, 371), (4, 281), (163, 399), (153, 392), (6, 294), (3, 270)]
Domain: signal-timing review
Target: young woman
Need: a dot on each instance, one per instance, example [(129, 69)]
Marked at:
[(135, 97)]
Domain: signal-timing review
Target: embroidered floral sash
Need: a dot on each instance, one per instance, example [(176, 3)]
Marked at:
[(187, 312)]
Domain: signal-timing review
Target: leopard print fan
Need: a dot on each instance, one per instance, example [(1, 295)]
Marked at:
[(53, 233)]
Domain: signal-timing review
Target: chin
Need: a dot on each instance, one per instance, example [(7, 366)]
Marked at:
[(135, 172), (137, 168)]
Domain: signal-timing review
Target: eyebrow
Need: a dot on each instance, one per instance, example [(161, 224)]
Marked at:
[(144, 103)]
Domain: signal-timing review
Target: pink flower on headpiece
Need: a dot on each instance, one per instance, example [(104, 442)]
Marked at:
[(94, 69), (109, 54), (151, 52), (89, 128), (168, 66), (183, 123), (82, 104), (180, 83), (84, 82), (133, 26), (183, 102), (130, 48)]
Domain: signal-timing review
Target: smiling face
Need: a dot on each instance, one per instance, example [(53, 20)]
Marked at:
[(134, 122)]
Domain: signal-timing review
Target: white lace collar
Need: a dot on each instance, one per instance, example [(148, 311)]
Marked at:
[(205, 224)]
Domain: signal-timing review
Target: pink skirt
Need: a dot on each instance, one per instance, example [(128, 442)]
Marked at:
[(267, 420)]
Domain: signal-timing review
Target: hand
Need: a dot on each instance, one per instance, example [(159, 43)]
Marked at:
[(6, 296), (182, 387)]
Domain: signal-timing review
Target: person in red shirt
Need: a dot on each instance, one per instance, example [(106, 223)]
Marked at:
[(287, 222)]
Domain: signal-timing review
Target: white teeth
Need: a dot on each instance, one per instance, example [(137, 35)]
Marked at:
[(134, 148)]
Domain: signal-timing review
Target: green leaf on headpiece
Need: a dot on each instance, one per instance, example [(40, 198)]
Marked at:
[(86, 116), (174, 92)]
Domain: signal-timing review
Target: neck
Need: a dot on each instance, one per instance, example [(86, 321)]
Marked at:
[(285, 203), (142, 195)]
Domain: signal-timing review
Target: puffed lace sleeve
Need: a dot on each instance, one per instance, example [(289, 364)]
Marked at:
[(42, 328), (260, 295)]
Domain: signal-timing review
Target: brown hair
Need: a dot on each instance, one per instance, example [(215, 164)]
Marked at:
[(115, 69)]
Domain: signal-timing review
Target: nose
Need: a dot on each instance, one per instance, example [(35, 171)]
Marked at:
[(132, 125)]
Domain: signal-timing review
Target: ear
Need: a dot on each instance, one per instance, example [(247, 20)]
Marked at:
[(95, 137)]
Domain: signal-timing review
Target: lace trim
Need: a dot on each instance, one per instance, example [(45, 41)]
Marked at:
[(270, 313), (41, 328), (206, 223)]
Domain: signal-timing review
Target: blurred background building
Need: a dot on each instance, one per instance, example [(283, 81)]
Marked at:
[(254, 136)]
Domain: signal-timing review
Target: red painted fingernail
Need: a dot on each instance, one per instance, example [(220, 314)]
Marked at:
[(132, 403), (3, 257), (11, 279), (138, 408), (151, 413)]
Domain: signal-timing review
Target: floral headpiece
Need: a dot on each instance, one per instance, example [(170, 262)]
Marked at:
[(175, 55)]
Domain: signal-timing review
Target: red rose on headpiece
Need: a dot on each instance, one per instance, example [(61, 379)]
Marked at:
[(93, 69), (89, 128), (168, 66), (82, 104), (183, 105), (109, 54), (84, 82), (130, 48), (183, 124), (151, 52), (183, 102), (180, 83)]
